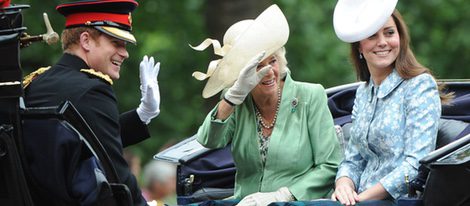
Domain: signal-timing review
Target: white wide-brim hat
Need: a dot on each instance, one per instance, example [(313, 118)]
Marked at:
[(242, 41), (355, 20)]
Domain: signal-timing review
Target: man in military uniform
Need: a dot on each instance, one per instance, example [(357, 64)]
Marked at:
[(94, 44)]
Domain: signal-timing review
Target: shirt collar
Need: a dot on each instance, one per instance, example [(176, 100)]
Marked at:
[(388, 85)]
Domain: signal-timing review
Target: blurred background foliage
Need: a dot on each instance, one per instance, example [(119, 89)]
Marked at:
[(439, 32)]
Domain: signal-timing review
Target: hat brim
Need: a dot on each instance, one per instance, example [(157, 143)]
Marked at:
[(268, 32), (117, 33), (355, 20)]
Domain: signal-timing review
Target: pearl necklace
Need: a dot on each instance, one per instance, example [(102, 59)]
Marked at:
[(258, 113)]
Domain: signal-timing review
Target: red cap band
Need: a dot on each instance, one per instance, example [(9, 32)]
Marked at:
[(82, 18), (4, 3)]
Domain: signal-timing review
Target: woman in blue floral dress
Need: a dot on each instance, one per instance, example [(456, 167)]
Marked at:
[(394, 118)]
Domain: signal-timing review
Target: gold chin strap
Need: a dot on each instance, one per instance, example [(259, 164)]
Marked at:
[(30, 77), (218, 50)]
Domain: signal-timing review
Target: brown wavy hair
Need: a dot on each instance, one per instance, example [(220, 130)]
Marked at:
[(71, 36), (406, 64)]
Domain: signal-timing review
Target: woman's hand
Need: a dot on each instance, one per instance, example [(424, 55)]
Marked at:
[(264, 198), (344, 192), (247, 80), (376, 192)]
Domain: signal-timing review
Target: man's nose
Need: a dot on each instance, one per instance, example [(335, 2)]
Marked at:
[(123, 52)]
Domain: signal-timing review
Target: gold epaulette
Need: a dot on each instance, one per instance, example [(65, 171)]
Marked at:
[(30, 77), (93, 72)]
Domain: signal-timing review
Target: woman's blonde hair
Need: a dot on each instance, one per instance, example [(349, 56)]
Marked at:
[(280, 55)]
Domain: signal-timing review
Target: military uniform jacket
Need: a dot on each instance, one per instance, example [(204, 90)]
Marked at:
[(94, 98)]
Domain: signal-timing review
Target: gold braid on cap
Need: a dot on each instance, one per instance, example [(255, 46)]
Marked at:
[(218, 50), (95, 73), (30, 77)]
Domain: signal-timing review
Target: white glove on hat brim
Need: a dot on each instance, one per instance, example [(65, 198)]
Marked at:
[(247, 80)]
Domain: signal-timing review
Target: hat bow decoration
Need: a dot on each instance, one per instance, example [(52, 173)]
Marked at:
[(218, 50), (242, 41)]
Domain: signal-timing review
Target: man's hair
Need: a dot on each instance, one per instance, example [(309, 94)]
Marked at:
[(71, 36)]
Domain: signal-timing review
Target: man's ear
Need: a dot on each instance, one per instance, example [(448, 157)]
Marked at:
[(85, 41)]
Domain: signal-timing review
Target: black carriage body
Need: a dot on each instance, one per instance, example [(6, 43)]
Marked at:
[(13, 189)]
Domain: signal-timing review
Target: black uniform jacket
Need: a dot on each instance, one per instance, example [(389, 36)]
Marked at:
[(95, 100)]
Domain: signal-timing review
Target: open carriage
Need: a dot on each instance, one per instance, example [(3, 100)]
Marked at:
[(204, 174)]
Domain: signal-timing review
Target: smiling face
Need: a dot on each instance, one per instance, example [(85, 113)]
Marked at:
[(381, 49), (269, 84), (106, 54)]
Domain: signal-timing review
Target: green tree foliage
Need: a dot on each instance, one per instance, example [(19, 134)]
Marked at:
[(438, 28)]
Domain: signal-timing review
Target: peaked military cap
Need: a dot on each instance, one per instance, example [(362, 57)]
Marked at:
[(112, 17)]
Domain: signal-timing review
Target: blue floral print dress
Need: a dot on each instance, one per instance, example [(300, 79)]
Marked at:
[(394, 126)]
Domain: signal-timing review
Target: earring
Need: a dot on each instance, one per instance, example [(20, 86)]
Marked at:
[(360, 55)]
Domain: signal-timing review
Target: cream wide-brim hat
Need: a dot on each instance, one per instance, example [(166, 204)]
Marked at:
[(355, 20), (243, 41)]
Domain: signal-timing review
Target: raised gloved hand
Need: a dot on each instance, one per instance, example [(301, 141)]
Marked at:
[(264, 198), (150, 102), (247, 80)]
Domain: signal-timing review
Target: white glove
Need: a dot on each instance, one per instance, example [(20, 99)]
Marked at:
[(247, 80), (150, 102), (264, 198), (153, 203)]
